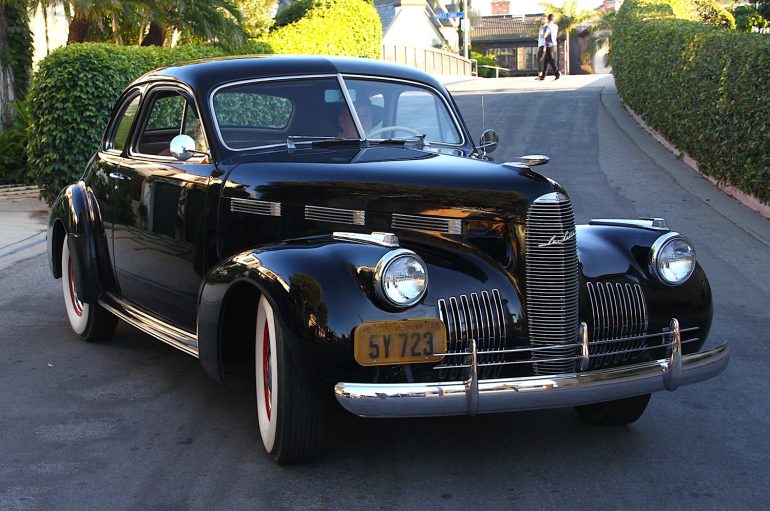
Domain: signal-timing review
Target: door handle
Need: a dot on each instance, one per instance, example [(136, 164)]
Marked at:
[(120, 176)]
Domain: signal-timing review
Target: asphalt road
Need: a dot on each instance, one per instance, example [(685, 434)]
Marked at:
[(134, 424)]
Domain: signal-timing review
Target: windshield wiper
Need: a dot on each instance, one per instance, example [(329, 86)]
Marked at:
[(315, 141), (418, 141)]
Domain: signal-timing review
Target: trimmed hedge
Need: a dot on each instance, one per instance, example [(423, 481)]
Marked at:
[(71, 97), (706, 89), (76, 86)]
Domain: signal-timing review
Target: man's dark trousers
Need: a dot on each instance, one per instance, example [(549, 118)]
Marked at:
[(548, 59)]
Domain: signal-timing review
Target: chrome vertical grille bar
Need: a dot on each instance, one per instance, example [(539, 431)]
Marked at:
[(619, 311), (552, 282)]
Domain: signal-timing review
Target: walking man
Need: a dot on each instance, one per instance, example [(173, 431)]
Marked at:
[(550, 33), (541, 46)]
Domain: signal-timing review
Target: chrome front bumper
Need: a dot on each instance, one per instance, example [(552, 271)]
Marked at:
[(530, 393)]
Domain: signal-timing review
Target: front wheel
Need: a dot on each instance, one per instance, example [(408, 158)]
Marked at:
[(614, 413), (89, 320), (290, 410)]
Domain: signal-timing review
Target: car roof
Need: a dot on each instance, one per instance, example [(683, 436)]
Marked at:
[(204, 75)]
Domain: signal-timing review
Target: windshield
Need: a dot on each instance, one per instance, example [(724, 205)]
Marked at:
[(282, 112)]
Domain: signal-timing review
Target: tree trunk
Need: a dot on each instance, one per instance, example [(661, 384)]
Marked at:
[(6, 77), (155, 36), (79, 27)]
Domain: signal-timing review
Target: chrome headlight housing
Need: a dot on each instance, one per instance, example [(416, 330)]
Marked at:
[(672, 259), (400, 278)]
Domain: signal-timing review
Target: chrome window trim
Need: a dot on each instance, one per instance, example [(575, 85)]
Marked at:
[(383, 264), (658, 245), (458, 125), (187, 95), (346, 94), (255, 80)]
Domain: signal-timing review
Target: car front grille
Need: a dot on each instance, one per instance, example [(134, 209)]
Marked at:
[(480, 316), (552, 283), (618, 312)]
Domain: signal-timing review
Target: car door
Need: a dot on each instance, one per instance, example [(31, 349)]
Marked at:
[(159, 249)]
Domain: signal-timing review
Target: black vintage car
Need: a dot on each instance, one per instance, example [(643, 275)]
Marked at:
[(330, 224)]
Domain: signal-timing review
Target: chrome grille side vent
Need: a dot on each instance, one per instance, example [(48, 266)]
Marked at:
[(255, 207), (619, 311), (335, 215), (427, 223), (552, 283), (479, 316)]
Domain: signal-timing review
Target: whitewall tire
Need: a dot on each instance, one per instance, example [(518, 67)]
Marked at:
[(291, 409), (89, 320)]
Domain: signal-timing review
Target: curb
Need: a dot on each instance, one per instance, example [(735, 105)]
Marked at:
[(16, 192), (744, 198)]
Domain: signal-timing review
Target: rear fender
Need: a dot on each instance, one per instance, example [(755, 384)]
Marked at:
[(75, 211)]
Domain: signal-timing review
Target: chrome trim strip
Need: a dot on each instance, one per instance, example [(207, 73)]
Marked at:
[(351, 107), (255, 207), (657, 224), (171, 335), (529, 393), (335, 215), (243, 82), (427, 223), (382, 239), (458, 125)]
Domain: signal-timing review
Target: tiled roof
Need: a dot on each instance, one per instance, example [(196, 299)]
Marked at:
[(387, 13), (505, 28)]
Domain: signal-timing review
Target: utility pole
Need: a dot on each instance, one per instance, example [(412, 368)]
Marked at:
[(466, 21)]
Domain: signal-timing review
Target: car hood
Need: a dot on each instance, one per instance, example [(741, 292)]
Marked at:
[(387, 179)]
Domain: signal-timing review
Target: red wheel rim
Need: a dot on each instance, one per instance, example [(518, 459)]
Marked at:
[(266, 372), (76, 305)]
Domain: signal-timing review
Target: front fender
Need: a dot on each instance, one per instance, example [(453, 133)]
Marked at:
[(621, 254), (315, 287), (76, 213), (323, 289)]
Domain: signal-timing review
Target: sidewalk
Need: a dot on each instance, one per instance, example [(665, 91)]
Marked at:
[(23, 223)]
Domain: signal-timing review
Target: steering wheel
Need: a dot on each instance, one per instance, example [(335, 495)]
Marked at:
[(378, 131)]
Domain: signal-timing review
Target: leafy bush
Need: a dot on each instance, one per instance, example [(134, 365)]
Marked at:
[(13, 144), (747, 17), (328, 27), (76, 87), (71, 96), (485, 60), (704, 88)]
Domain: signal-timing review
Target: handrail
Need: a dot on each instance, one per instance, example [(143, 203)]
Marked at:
[(431, 60)]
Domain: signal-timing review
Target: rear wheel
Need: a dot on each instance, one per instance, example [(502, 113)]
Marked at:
[(290, 410), (89, 320), (614, 413)]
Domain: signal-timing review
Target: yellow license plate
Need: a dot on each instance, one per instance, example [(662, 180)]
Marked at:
[(408, 341)]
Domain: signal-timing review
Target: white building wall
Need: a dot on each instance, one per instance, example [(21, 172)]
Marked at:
[(412, 28)]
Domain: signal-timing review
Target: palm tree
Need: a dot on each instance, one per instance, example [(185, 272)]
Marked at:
[(15, 56), (568, 18)]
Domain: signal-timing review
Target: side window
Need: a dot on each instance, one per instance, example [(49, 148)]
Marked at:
[(119, 136), (170, 114)]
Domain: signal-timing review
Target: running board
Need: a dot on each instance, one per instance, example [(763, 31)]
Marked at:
[(171, 335)]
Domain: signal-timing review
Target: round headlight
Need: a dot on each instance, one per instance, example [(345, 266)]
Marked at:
[(401, 278), (672, 259)]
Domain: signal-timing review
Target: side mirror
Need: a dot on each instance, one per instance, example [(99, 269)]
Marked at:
[(488, 142), (533, 160), (182, 147)]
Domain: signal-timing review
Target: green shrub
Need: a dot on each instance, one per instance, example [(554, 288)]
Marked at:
[(13, 148), (703, 88), (329, 27), (485, 60), (76, 87), (72, 94), (291, 13)]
